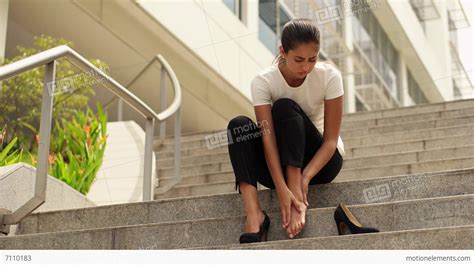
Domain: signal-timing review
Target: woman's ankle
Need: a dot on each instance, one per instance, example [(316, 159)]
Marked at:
[(253, 221), (254, 213)]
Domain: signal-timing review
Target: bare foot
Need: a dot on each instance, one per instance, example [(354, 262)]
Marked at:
[(253, 222), (297, 221)]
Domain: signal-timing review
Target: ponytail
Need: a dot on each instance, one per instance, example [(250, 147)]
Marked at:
[(294, 32)]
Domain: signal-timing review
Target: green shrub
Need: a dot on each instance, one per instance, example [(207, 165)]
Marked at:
[(20, 96), (78, 136), (10, 153), (78, 149), (76, 153)]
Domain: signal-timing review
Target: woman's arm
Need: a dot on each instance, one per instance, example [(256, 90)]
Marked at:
[(285, 196), (332, 124)]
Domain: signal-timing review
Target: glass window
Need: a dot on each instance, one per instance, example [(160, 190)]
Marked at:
[(267, 23), (379, 49), (456, 91), (359, 105), (234, 6), (355, 30), (414, 90), (284, 18), (267, 36), (230, 4)]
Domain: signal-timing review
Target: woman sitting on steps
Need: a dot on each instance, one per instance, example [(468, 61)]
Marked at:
[(295, 141)]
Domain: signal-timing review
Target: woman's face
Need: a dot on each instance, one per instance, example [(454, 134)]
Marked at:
[(300, 60)]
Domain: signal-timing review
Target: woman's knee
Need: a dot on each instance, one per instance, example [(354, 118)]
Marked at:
[(330, 171), (239, 121), (283, 106)]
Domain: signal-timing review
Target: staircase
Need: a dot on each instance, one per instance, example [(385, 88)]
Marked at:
[(407, 171)]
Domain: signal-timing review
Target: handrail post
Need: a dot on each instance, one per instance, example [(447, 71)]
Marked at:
[(4, 228), (119, 110), (177, 144), (147, 171), (163, 98), (43, 148), (45, 129)]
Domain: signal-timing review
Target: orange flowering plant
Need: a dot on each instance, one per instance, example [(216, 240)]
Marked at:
[(21, 95), (78, 148), (77, 139)]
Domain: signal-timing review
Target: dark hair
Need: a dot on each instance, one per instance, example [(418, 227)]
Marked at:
[(297, 31)]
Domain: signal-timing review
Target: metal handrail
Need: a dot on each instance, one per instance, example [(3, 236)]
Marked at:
[(161, 188), (48, 58)]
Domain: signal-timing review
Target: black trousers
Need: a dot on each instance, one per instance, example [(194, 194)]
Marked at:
[(297, 140)]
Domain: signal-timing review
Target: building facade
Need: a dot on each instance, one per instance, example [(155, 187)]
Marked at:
[(391, 53)]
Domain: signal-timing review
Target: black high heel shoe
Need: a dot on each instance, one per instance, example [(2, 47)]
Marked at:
[(260, 236), (346, 220)]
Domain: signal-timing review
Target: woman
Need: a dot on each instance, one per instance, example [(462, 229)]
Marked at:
[(295, 142)]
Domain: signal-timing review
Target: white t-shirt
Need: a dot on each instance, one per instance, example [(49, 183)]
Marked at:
[(323, 82)]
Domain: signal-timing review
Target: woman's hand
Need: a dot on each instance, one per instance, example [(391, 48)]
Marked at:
[(286, 199)]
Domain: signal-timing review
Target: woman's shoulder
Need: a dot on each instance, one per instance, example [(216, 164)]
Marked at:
[(326, 67), (266, 74)]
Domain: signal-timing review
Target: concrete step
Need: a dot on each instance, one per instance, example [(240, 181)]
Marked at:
[(366, 153), (199, 151), (410, 157), (224, 182), (193, 173), (405, 157), (389, 189), (217, 183), (350, 138), (194, 160), (406, 146), (405, 119), (409, 126), (405, 114), (407, 111), (348, 143), (448, 109), (225, 167), (386, 141), (387, 217), (403, 169), (451, 237), (422, 134)]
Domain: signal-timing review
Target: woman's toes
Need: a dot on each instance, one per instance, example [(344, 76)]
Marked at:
[(294, 229), (290, 232)]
